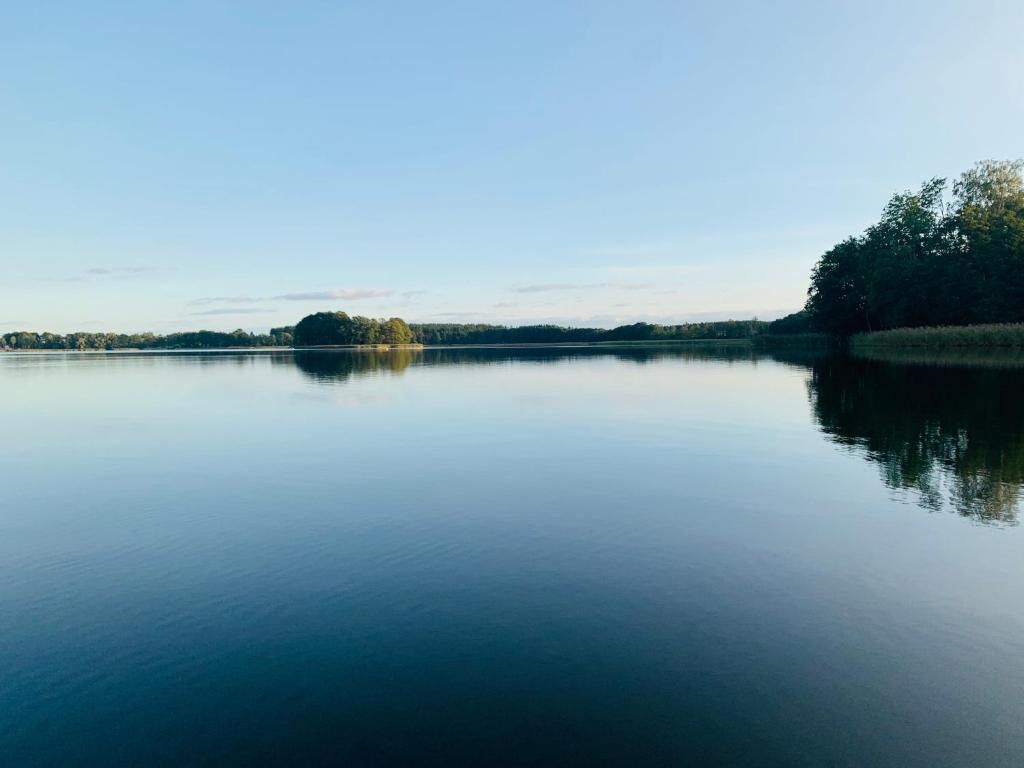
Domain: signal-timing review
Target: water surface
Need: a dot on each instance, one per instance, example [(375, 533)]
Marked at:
[(546, 556)]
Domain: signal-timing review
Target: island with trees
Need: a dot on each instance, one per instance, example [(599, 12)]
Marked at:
[(338, 329)]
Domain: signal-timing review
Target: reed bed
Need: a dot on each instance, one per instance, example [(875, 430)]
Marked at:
[(993, 335)]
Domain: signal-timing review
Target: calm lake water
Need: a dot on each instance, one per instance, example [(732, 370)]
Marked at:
[(480, 557)]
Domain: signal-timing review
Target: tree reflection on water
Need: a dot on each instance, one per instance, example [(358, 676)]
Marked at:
[(953, 435)]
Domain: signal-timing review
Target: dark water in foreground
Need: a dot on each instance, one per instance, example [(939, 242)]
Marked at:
[(540, 557)]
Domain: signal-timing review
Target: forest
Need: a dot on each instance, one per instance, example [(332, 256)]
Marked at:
[(944, 255)]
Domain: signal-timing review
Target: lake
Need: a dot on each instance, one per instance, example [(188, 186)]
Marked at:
[(689, 555)]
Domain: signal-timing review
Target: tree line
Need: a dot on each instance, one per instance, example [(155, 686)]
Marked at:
[(932, 259), (277, 337), (471, 333), (339, 329)]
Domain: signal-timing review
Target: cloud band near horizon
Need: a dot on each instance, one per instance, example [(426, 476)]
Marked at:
[(347, 294)]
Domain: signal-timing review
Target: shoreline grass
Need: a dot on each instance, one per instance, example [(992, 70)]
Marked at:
[(992, 335)]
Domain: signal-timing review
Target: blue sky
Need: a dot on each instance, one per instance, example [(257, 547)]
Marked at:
[(211, 164)]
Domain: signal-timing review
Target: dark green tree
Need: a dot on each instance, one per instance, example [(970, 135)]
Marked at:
[(324, 328), (837, 299), (902, 256), (927, 262)]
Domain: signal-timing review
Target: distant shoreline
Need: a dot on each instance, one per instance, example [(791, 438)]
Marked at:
[(1008, 336), (394, 347)]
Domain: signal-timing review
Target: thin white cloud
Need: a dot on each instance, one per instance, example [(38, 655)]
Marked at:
[(137, 270), (546, 287), (225, 300), (456, 314), (349, 294), (234, 311), (110, 273)]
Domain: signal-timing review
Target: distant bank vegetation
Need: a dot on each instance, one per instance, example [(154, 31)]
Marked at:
[(84, 341), (458, 333), (931, 261), (339, 329)]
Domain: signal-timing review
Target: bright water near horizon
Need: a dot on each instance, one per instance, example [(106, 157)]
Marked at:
[(542, 557)]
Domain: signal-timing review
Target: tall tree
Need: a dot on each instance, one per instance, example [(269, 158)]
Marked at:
[(837, 298), (989, 226)]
